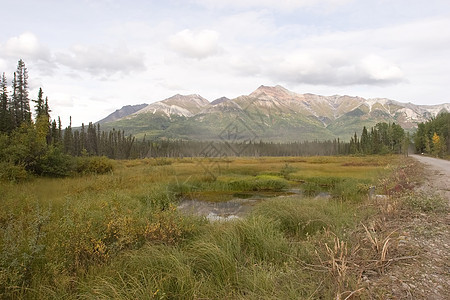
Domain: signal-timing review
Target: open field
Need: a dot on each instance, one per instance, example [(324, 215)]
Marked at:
[(120, 235)]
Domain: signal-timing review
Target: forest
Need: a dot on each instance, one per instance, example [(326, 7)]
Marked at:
[(32, 143), (433, 136)]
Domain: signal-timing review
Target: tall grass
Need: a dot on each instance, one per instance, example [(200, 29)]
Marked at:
[(253, 258), (302, 217), (119, 235)]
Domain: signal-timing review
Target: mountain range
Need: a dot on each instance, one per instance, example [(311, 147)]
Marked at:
[(269, 114)]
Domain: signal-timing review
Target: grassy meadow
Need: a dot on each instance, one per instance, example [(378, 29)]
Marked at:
[(119, 235)]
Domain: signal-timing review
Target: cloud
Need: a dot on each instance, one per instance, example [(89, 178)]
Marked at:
[(247, 27), (283, 5), (98, 60), (378, 70), (198, 45), (388, 55), (26, 46), (423, 36), (334, 68), (245, 66)]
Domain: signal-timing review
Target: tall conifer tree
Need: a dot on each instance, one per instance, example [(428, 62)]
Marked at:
[(5, 119), (20, 98)]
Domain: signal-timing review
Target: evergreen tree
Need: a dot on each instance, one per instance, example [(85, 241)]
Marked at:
[(365, 145), (59, 132), (419, 138), (20, 107), (42, 123), (82, 139), (39, 106), (68, 141), (46, 108), (397, 135), (432, 137), (53, 133), (21, 86), (91, 140), (4, 107)]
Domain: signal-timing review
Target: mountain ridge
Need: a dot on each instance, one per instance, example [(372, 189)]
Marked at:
[(282, 115)]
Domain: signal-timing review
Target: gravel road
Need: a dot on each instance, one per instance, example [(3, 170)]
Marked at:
[(439, 177), (440, 165)]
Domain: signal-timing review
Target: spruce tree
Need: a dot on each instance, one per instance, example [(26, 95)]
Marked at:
[(39, 106), (68, 140), (4, 109), (365, 144), (20, 99), (42, 117)]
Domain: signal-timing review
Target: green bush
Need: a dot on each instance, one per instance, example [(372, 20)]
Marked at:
[(94, 165), (55, 163), (287, 170), (11, 172)]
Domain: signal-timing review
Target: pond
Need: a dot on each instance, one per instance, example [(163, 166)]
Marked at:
[(238, 207)]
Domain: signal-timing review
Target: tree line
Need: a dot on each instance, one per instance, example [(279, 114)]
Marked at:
[(433, 137), (32, 142)]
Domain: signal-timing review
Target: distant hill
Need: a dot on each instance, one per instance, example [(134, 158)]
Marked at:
[(268, 113), (123, 112)]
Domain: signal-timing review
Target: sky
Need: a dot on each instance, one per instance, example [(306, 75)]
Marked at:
[(92, 57)]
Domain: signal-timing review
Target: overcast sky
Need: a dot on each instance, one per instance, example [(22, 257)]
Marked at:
[(92, 57)]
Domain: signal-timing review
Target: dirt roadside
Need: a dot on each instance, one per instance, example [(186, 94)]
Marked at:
[(439, 175), (427, 239)]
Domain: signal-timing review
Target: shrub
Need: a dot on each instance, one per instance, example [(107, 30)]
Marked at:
[(287, 170), (11, 172), (94, 165), (55, 163)]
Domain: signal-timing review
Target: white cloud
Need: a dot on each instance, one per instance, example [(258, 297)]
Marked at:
[(379, 70), (327, 67), (192, 44), (98, 60), (420, 36), (245, 65), (284, 5), (3, 65), (26, 46), (378, 57)]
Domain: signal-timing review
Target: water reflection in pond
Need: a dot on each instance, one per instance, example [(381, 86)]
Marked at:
[(236, 208), (215, 211)]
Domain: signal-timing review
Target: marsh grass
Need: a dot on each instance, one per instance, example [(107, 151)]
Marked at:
[(303, 217), (119, 235)]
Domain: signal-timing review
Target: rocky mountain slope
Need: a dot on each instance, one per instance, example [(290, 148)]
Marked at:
[(123, 112), (268, 113)]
